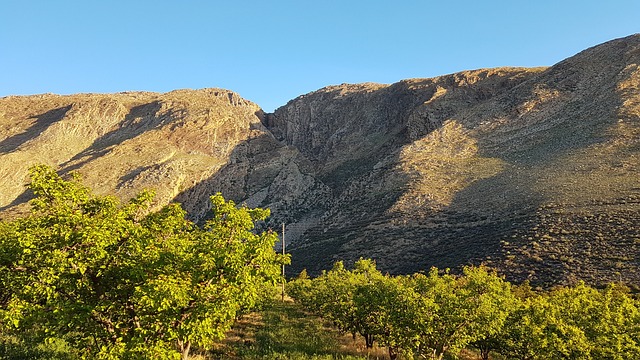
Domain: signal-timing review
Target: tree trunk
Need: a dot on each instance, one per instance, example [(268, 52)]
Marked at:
[(393, 353), (184, 349), (484, 353), (438, 354), (434, 354), (369, 339)]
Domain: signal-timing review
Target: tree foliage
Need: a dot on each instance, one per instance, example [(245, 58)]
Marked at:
[(466, 309), (333, 295), (577, 322), (121, 281), (386, 308), (424, 315), (428, 315)]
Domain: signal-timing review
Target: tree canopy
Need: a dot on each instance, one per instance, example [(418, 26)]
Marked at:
[(121, 281), (428, 315)]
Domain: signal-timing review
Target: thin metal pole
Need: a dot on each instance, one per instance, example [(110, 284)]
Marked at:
[(283, 278)]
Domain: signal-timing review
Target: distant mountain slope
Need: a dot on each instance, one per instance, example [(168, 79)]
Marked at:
[(533, 171), (124, 142)]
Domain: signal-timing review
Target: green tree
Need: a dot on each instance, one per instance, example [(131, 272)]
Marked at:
[(332, 295), (616, 332), (539, 328), (491, 300), (466, 308), (117, 280), (301, 289), (524, 334), (387, 309), (607, 322), (336, 296)]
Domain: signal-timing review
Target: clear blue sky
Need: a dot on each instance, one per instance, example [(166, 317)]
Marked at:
[(272, 51)]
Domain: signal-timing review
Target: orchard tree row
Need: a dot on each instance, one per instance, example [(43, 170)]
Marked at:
[(106, 280), (427, 315)]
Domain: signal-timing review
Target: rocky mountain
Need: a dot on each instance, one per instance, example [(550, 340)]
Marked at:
[(533, 171)]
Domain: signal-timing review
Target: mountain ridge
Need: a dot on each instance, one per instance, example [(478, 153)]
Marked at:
[(529, 170)]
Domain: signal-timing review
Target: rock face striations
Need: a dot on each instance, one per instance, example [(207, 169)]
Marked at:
[(533, 171)]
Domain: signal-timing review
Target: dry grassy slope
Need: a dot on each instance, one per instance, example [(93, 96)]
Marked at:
[(534, 171), (124, 142)]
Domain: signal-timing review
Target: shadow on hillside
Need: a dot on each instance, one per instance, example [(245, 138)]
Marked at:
[(23, 198), (251, 168), (40, 124), (140, 119), (534, 232), (364, 222), (494, 220)]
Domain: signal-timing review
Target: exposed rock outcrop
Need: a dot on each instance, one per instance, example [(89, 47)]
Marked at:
[(523, 169)]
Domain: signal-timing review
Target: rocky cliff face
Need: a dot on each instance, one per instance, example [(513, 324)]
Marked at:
[(532, 171)]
